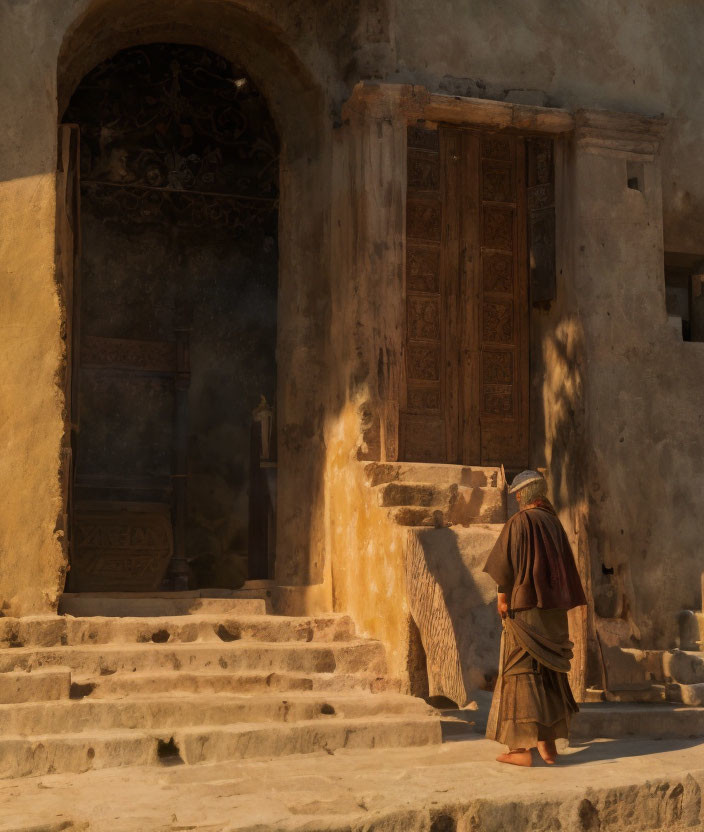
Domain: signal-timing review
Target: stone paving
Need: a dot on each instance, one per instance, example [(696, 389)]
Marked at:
[(622, 785)]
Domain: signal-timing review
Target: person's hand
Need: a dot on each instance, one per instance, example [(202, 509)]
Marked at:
[(502, 604)]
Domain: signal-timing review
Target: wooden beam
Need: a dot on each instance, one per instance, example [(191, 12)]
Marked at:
[(417, 104)]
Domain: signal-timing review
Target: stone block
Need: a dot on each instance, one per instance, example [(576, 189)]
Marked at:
[(35, 686), (684, 667), (153, 605), (686, 694), (453, 603), (431, 473)]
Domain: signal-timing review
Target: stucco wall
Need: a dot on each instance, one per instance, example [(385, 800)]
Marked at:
[(638, 56)]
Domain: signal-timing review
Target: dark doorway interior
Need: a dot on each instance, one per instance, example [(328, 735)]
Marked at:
[(174, 331)]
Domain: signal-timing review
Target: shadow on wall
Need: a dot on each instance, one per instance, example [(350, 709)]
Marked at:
[(559, 444), (454, 606)]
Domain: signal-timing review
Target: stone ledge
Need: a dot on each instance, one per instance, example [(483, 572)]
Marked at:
[(626, 135), (627, 786)]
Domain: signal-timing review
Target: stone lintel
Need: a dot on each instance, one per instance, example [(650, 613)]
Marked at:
[(414, 104), (626, 135)]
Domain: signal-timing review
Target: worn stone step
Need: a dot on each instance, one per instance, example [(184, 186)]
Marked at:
[(431, 473), (619, 721), (168, 683), (415, 494), (37, 686), (460, 505), (463, 507), (317, 657), (686, 694), (683, 667), (172, 712), (57, 753), (52, 631), (155, 605)]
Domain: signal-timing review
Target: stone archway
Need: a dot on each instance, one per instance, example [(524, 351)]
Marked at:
[(299, 111), (174, 323)]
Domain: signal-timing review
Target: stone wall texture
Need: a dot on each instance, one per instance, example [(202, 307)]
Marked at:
[(617, 401)]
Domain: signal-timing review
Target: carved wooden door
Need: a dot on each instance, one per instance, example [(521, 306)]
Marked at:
[(465, 393)]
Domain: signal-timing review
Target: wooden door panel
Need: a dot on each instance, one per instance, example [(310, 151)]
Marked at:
[(465, 391), (422, 428), (503, 332)]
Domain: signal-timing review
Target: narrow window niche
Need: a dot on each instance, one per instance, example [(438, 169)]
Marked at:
[(684, 294), (634, 176)]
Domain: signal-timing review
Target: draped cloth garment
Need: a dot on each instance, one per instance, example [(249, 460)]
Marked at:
[(532, 699), (532, 562)]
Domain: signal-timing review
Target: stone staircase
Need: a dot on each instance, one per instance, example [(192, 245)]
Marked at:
[(451, 516), (675, 676), (204, 680), (427, 494)]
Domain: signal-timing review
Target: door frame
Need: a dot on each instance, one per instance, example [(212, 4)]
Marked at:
[(401, 106)]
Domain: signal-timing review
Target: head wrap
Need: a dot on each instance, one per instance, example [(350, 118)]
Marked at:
[(523, 479)]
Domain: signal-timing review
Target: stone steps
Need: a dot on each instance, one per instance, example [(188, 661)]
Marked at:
[(430, 495), (309, 657), (621, 721), (421, 504), (53, 753), (37, 686), (378, 473), (46, 631), (142, 605), (95, 691), (159, 712), (174, 683)]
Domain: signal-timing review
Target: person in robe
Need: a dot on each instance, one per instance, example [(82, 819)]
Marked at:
[(538, 582)]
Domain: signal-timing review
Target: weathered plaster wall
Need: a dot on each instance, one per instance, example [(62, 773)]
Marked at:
[(644, 405), (367, 567), (639, 56)]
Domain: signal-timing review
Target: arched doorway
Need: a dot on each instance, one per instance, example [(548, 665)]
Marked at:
[(174, 323)]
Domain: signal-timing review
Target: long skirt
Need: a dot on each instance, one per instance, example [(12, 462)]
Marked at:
[(533, 701)]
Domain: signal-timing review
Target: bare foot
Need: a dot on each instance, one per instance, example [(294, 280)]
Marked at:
[(519, 757), (548, 751)]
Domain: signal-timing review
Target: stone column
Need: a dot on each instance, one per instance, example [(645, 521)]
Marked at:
[(369, 215), (618, 294)]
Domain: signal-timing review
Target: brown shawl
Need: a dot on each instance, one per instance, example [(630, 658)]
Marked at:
[(533, 562)]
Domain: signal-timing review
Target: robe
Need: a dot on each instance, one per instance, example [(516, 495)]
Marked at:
[(532, 563)]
